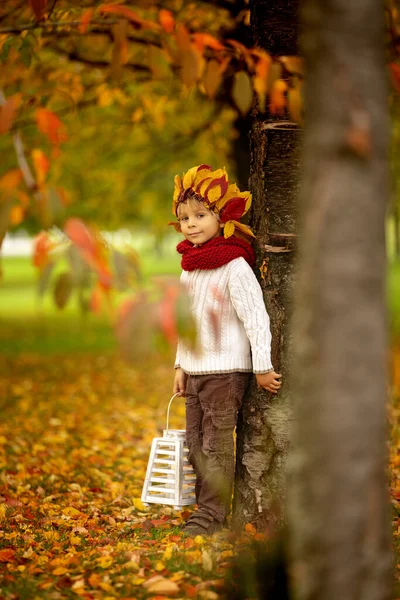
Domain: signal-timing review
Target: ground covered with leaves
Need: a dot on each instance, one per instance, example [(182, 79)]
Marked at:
[(75, 436)]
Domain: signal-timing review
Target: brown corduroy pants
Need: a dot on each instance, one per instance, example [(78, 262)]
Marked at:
[(212, 404)]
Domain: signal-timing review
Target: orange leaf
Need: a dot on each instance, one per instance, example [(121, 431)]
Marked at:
[(91, 247), (49, 124), (249, 528), (80, 235), (7, 554), (41, 165), (38, 7), (206, 40), (10, 180), (7, 112), (41, 248), (277, 100), (17, 215), (167, 21), (85, 20)]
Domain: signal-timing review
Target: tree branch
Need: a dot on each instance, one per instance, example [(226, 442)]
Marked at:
[(21, 158), (73, 56), (50, 24)]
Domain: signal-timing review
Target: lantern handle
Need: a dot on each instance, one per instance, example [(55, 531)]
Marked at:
[(169, 406)]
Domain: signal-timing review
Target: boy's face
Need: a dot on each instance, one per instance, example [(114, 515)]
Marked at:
[(198, 223)]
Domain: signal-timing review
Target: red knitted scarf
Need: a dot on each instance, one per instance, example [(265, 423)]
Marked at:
[(215, 253)]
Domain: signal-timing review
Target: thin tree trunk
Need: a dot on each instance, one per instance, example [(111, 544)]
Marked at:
[(338, 506), (263, 428)]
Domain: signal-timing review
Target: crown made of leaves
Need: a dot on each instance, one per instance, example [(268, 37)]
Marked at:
[(220, 196)]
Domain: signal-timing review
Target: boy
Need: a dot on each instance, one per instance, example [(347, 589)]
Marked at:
[(233, 328)]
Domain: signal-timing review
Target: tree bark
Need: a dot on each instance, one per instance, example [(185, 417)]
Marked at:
[(263, 427), (338, 505)]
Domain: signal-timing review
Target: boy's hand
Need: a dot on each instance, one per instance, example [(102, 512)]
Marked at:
[(180, 382), (269, 381)]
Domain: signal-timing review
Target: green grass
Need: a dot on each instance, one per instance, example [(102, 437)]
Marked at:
[(32, 324)]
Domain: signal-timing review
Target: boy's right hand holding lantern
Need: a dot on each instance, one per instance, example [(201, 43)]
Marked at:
[(180, 382), (269, 381)]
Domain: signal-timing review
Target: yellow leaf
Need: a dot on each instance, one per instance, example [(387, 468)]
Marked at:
[(199, 540), (295, 104), (229, 229), (75, 540), (70, 511), (159, 566), (105, 561), (138, 504), (167, 553), (242, 92), (60, 571)]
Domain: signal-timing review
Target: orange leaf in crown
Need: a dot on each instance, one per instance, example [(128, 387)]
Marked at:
[(233, 210), (216, 189)]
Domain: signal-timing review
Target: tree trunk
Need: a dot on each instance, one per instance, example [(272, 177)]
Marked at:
[(338, 505), (263, 428)]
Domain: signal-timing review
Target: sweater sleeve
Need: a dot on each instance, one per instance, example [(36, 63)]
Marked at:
[(248, 301)]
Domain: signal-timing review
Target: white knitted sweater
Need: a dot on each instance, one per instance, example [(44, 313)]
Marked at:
[(232, 297)]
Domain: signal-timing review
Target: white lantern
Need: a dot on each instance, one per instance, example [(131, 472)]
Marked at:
[(170, 478)]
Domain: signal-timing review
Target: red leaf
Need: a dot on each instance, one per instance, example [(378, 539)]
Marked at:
[(167, 314), (38, 7), (7, 555), (233, 210), (221, 181), (49, 124), (167, 21)]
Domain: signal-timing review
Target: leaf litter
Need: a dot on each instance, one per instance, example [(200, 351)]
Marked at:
[(75, 438)]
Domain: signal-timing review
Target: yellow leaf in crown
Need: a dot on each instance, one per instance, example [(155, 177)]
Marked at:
[(229, 229), (177, 191), (177, 187), (232, 192), (248, 201), (243, 228), (214, 194), (203, 186), (189, 177), (200, 177)]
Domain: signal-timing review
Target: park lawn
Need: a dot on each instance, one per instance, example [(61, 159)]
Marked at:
[(31, 324)]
